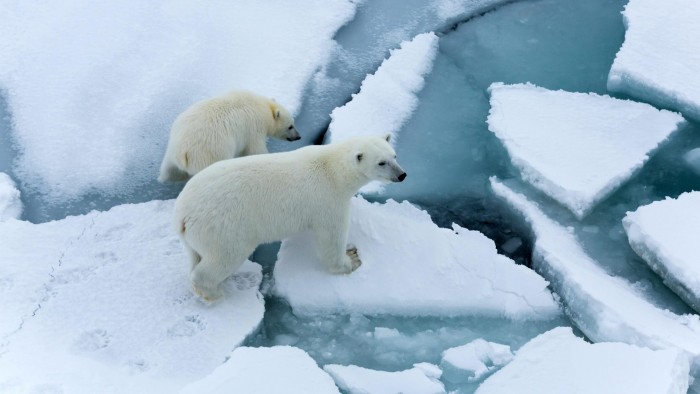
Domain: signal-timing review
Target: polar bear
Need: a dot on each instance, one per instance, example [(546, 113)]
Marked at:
[(227, 210), (236, 124)]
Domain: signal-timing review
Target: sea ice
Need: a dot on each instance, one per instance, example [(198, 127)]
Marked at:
[(692, 159), (604, 307), (665, 234), (10, 203), (101, 303), (93, 88), (473, 360), (411, 267), (560, 362), (421, 379), (277, 369), (576, 147), (658, 61), (388, 97)]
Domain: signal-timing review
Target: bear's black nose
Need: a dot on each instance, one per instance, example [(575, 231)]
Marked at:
[(402, 177)]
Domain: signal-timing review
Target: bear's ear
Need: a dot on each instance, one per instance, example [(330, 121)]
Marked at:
[(275, 110), (387, 137), (277, 114), (359, 157)]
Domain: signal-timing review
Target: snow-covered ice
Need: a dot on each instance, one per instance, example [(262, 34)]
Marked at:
[(421, 379), (473, 360), (576, 147), (411, 267), (93, 88), (277, 369), (665, 234), (659, 60), (559, 362), (10, 203), (101, 303), (604, 307), (388, 97)]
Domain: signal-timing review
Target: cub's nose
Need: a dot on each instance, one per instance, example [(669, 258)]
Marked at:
[(402, 177)]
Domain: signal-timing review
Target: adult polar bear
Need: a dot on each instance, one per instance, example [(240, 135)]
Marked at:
[(232, 206), (233, 125)]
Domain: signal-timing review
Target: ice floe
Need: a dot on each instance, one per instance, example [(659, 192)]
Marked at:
[(665, 234), (659, 61), (560, 362), (277, 369), (576, 147), (604, 307), (388, 97), (474, 360), (421, 379), (101, 303), (411, 267), (10, 203), (93, 88)]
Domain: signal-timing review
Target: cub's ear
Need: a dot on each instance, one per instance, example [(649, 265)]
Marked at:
[(387, 137), (277, 114), (275, 110), (359, 157)]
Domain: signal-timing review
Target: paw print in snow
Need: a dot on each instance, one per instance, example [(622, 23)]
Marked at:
[(187, 328), (246, 280), (93, 340)]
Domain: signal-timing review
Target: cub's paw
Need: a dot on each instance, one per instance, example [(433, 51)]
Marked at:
[(207, 294), (355, 261)]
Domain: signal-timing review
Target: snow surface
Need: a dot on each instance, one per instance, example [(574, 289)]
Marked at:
[(101, 303), (388, 97), (93, 88), (476, 358), (277, 369), (559, 362), (10, 203), (665, 234), (659, 60), (410, 267), (604, 307), (421, 379), (576, 147)]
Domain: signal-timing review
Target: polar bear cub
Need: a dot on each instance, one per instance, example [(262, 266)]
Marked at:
[(233, 125), (227, 210)]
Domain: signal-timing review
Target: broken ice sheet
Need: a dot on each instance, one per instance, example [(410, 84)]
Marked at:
[(665, 234), (10, 203), (576, 147), (101, 303), (474, 360), (423, 378)]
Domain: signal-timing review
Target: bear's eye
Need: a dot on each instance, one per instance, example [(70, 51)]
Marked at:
[(290, 127), (381, 163)]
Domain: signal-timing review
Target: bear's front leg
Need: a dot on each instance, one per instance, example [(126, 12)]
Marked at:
[(332, 249)]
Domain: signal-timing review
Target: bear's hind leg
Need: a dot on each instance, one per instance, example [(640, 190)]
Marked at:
[(170, 173), (212, 271)]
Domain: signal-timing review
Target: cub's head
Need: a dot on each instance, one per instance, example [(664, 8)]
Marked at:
[(377, 160), (284, 123)]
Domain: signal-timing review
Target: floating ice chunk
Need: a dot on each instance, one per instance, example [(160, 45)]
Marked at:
[(114, 312), (10, 204), (665, 234), (658, 61), (692, 158), (410, 267), (421, 379), (388, 97), (278, 369), (474, 360), (559, 362), (576, 147), (604, 307), (109, 79)]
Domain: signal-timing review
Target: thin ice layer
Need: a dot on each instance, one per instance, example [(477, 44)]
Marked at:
[(604, 307), (665, 234), (421, 379), (278, 369), (559, 362), (10, 203), (93, 88), (411, 267), (659, 60), (576, 147), (101, 303), (475, 359), (387, 98)]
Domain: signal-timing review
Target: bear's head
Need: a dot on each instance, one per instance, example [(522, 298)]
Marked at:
[(376, 160), (283, 128)]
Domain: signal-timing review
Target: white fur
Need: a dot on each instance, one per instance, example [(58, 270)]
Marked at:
[(236, 124), (231, 207)]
